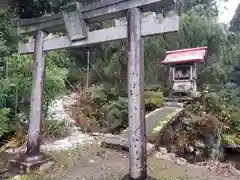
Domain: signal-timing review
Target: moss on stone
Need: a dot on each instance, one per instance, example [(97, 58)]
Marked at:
[(165, 121)]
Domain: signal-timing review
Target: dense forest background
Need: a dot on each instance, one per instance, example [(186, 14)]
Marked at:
[(66, 70)]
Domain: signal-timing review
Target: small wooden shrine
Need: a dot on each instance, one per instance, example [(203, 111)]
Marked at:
[(183, 69)]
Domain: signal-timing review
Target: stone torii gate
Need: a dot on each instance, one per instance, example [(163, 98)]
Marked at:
[(73, 21)]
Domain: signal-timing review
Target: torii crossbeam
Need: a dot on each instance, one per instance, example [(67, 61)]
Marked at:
[(73, 21)]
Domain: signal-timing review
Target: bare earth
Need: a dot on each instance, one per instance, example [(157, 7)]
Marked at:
[(91, 162)]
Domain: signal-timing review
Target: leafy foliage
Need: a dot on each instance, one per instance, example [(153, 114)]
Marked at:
[(5, 126), (53, 128), (16, 78), (102, 109), (235, 22), (227, 114), (153, 100)]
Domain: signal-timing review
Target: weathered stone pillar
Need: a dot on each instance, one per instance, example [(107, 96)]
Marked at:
[(136, 115), (37, 96)]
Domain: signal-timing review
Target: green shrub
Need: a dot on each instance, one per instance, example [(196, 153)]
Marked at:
[(153, 100), (55, 128), (117, 109), (99, 96), (235, 121), (218, 105), (232, 139), (5, 125), (108, 108), (102, 109), (17, 85), (154, 97)]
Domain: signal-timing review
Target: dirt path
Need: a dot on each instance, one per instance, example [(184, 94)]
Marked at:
[(92, 162)]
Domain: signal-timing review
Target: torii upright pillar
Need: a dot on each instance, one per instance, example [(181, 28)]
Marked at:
[(33, 156), (136, 114), (37, 97)]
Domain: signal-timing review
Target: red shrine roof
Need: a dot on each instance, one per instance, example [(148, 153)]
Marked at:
[(185, 55)]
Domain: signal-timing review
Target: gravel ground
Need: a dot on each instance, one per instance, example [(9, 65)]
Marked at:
[(91, 162)]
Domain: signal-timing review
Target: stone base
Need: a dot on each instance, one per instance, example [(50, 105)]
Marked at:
[(25, 164)]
